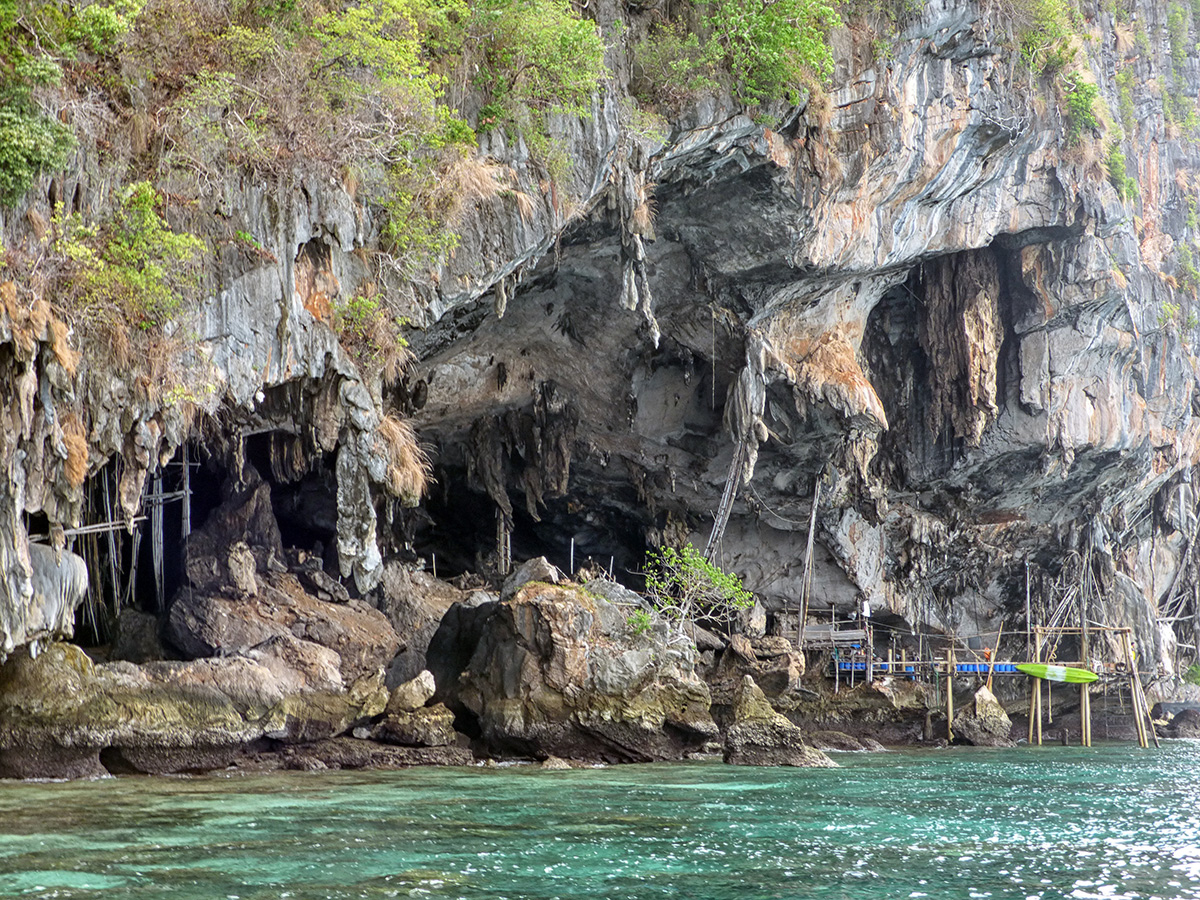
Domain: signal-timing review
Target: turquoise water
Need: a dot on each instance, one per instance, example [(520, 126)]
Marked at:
[(1112, 822)]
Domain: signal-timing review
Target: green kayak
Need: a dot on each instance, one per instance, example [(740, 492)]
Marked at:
[(1069, 674)]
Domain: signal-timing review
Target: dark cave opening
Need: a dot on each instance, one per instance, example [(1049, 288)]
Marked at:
[(121, 562), (458, 523), (305, 502)]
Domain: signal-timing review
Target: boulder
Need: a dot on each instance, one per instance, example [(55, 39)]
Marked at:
[(752, 622), (242, 567), (762, 737), (839, 740), (558, 671), (204, 624), (771, 662), (347, 753), (322, 585), (412, 694), (137, 639), (415, 603), (240, 538), (538, 569), (983, 722), (64, 716), (428, 726), (1186, 724)]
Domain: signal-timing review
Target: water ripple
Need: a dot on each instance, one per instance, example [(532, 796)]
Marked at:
[(1110, 822)]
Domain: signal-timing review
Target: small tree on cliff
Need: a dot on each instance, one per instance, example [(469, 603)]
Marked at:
[(688, 589)]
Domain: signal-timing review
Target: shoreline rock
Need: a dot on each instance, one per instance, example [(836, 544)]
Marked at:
[(762, 737)]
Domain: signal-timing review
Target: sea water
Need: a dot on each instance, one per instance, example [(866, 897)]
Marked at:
[(1112, 821)]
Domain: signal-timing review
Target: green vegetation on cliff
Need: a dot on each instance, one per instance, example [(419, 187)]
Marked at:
[(762, 51), (30, 141), (131, 268)]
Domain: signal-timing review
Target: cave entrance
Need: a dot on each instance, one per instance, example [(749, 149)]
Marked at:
[(142, 566), (458, 523), (303, 492)]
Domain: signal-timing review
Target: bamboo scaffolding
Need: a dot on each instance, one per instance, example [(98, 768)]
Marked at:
[(806, 578)]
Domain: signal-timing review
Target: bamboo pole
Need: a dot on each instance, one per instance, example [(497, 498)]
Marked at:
[(1033, 683), (186, 492), (806, 577), (1037, 687), (1139, 724), (156, 548), (950, 695), (992, 658), (1085, 716), (1028, 617)]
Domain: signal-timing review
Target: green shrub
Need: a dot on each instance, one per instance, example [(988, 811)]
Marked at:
[(1045, 34), (771, 48), (639, 621), (1192, 675), (1080, 113), (671, 67), (371, 334), (688, 589), (1125, 100), (1186, 273), (30, 141), (133, 268), (1127, 188), (386, 42), (535, 56), (1177, 33)]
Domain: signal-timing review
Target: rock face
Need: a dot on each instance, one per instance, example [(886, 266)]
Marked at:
[(983, 723), (773, 663), (409, 722), (64, 717), (759, 736), (919, 301), (414, 603), (1185, 724), (339, 642), (558, 672)]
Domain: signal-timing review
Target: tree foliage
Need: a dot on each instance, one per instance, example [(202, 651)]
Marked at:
[(30, 141), (762, 49), (771, 46), (534, 56), (688, 589), (133, 268)]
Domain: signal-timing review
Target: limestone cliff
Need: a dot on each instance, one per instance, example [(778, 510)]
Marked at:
[(923, 297)]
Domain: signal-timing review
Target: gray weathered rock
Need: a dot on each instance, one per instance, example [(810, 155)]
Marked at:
[(760, 736), (360, 639), (537, 569), (64, 717), (138, 639), (772, 662), (414, 602), (983, 722), (556, 671), (427, 726), (412, 694)]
